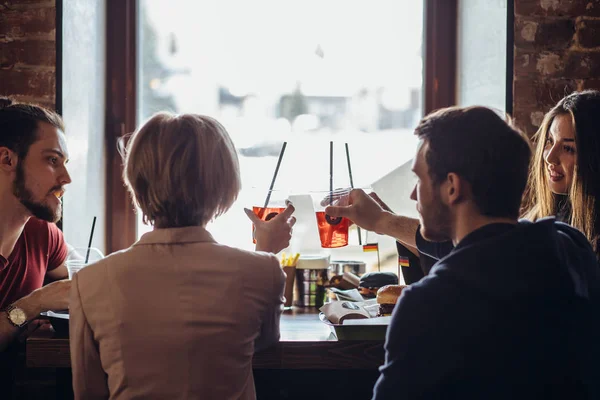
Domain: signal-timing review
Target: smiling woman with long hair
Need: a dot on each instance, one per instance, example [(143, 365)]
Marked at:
[(565, 172)]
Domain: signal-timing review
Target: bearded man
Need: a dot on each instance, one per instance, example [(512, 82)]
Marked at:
[(33, 174)]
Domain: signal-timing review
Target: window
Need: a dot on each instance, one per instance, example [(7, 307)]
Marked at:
[(303, 72), (83, 66), (482, 53)]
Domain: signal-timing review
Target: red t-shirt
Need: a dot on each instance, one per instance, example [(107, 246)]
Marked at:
[(40, 248)]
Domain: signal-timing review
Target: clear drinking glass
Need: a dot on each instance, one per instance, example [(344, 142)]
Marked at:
[(81, 257)]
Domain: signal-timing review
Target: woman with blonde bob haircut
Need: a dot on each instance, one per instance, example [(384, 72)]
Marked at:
[(178, 315), (186, 170), (565, 172)]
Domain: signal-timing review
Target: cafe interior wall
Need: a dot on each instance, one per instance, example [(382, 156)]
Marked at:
[(28, 51), (556, 51)]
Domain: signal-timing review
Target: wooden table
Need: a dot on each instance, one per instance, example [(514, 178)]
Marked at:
[(306, 343)]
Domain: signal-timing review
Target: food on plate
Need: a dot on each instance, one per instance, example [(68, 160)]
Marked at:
[(387, 297)]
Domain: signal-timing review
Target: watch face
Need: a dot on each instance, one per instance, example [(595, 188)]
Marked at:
[(17, 316)]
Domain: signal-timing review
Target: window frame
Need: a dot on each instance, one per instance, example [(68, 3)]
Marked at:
[(121, 105), (439, 90), (441, 31)]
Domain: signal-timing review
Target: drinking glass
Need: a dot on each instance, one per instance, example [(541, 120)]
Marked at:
[(333, 232), (80, 258), (267, 204)]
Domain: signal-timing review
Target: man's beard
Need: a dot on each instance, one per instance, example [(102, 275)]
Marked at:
[(38, 210), (436, 227)]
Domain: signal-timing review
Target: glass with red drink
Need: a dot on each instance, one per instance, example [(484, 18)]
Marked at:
[(274, 206), (333, 232)]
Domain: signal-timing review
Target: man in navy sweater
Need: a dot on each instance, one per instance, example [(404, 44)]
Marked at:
[(512, 311)]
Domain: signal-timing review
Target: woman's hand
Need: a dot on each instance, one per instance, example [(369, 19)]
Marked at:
[(274, 235)]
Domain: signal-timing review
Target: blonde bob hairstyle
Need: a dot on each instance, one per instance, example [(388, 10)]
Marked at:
[(181, 170)]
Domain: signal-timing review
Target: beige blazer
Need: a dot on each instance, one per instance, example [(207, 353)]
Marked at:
[(175, 316)]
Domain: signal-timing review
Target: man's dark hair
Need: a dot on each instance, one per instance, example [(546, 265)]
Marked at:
[(479, 146), (19, 124)]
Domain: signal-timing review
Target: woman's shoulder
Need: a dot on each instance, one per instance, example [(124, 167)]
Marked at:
[(249, 256), (256, 267), (94, 272)]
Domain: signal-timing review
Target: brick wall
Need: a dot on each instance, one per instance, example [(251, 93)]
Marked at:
[(28, 50), (557, 50)]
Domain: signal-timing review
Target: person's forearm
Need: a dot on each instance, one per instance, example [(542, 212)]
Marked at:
[(401, 228), (8, 332)]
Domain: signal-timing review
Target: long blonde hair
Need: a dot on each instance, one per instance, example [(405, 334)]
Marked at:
[(584, 110)]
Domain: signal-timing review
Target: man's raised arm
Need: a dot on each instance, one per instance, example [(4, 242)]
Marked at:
[(372, 214)]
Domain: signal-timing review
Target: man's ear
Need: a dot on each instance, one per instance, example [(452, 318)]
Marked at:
[(455, 188), (8, 159)]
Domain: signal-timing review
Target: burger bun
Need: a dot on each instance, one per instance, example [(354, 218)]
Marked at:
[(389, 294)]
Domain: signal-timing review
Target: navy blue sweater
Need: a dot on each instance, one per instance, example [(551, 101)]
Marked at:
[(511, 313)]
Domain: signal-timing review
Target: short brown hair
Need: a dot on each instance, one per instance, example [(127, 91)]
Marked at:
[(182, 170), (479, 146), (19, 124)]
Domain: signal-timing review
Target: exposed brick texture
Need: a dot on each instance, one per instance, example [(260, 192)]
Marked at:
[(588, 33), (28, 50), (557, 8), (28, 53), (553, 34), (557, 51)]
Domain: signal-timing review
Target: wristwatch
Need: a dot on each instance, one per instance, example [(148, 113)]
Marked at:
[(16, 316)]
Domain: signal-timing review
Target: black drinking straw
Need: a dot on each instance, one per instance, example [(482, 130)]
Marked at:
[(352, 187), (331, 173), (275, 174), (87, 255)]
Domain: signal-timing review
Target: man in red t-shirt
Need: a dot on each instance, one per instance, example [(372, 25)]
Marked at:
[(33, 174)]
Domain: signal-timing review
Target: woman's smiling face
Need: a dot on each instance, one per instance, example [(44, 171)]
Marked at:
[(560, 154)]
